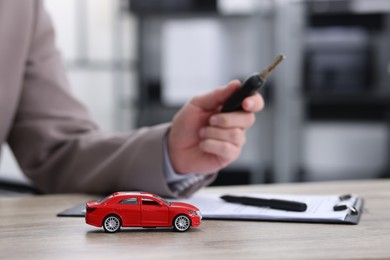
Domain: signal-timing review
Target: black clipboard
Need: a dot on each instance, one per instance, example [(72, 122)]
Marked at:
[(75, 211)]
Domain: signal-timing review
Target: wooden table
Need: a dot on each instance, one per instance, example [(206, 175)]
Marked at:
[(29, 229)]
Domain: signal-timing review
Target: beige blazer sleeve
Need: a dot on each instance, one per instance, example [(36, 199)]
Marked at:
[(60, 148)]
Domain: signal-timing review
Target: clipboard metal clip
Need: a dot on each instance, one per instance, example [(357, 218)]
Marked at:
[(340, 207), (353, 210)]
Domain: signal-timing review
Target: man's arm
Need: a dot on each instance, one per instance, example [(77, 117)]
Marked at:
[(60, 148)]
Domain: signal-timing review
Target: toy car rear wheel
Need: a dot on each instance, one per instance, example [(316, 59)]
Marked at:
[(112, 223), (181, 223)]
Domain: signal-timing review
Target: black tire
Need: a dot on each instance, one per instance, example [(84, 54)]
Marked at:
[(181, 223), (112, 223)]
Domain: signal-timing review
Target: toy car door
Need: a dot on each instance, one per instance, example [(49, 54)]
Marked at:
[(130, 211), (154, 213)]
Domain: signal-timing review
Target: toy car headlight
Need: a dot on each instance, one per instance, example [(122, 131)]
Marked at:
[(199, 214), (192, 212)]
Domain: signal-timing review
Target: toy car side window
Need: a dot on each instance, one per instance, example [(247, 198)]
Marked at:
[(150, 202), (129, 201)]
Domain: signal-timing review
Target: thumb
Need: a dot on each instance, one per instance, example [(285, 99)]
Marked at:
[(217, 97)]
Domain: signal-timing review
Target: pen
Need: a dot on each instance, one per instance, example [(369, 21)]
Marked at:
[(271, 203)]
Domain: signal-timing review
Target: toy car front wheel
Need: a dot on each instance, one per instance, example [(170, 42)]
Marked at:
[(181, 223), (112, 223)]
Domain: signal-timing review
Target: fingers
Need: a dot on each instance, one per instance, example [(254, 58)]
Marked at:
[(233, 120), (253, 103), (226, 144), (225, 135), (224, 150), (216, 98), (235, 136)]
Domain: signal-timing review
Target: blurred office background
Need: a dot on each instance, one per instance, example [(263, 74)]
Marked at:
[(327, 116)]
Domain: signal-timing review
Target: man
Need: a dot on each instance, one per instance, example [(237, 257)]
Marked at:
[(61, 150)]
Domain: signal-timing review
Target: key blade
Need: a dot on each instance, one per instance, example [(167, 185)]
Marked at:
[(265, 73)]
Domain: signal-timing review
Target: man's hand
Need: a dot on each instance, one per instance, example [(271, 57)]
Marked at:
[(203, 140)]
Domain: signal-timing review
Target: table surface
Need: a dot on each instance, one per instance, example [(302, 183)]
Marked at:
[(29, 229)]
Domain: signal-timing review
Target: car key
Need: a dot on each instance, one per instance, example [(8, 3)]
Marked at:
[(250, 86)]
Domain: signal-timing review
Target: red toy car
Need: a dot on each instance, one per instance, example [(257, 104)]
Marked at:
[(140, 209)]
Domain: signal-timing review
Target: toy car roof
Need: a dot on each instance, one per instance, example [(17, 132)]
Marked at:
[(122, 193)]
